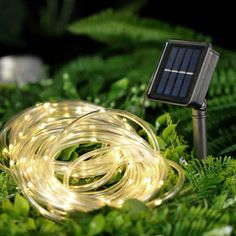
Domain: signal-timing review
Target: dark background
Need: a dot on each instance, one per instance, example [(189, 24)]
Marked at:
[(214, 19)]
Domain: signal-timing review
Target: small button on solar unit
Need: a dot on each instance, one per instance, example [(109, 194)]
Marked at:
[(182, 77), (184, 73)]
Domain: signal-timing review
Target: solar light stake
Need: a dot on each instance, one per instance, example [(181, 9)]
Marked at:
[(182, 78), (200, 131)]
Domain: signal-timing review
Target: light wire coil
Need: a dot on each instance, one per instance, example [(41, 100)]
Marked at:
[(33, 139)]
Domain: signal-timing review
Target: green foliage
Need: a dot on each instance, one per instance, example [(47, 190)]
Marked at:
[(68, 154), (54, 18), (10, 32), (228, 150), (15, 218), (109, 26), (117, 76), (50, 20), (7, 186), (172, 144)]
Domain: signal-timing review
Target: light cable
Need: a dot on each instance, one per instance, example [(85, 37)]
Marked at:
[(33, 139)]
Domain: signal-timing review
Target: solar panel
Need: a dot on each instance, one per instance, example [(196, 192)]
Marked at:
[(184, 73)]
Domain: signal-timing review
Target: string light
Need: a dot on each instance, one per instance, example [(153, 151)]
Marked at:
[(33, 139)]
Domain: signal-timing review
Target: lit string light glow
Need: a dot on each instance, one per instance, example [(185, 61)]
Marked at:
[(34, 138)]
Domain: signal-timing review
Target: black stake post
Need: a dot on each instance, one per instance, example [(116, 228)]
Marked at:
[(200, 131)]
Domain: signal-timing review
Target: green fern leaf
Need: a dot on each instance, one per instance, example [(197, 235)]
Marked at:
[(228, 150), (109, 25), (221, 142)]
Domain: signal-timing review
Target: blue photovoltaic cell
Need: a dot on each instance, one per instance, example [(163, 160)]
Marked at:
[(194, 60), (181, 77), (178, 72), (191, 68), (185, 86), (165, 74), (178, 84), (176, 66)]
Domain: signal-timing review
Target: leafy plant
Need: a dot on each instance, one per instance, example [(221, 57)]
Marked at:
[(54, 18), (109, 25), (117, 76)]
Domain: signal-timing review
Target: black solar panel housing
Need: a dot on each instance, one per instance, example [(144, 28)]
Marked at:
[(184, 73)]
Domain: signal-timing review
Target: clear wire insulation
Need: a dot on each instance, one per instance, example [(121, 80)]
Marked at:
[(33, 139)]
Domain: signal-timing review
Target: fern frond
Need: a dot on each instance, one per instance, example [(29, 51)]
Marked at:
[(110, 25), (219, 103), (223, 83), (225, 230), (206, 176), (224, 79), (201, 218), (221, 115), (228, 150), (222, 141)]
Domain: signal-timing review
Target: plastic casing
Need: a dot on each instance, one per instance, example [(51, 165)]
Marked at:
[(200, 81)]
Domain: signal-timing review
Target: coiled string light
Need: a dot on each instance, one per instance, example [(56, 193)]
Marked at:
[(34, 138)]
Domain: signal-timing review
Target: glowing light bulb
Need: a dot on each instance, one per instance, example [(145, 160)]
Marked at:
[(12, 163), (5, 151), (11, 146), (27, 117), (147, 180), (46, 105)]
